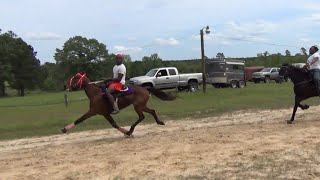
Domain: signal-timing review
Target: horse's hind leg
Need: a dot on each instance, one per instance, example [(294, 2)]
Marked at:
[(141, 117), (296, 105), (293, 113), (153, 113), (303, 106)]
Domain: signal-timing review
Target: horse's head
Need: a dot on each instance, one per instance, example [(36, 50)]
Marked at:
[(286, 70), (78, 81)]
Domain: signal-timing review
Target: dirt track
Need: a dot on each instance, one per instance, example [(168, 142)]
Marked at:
[(254, 145)]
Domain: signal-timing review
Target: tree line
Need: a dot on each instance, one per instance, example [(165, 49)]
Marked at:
[(20, 69)]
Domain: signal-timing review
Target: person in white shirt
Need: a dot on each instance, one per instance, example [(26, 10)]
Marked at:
[(313, 63), (118, 81)]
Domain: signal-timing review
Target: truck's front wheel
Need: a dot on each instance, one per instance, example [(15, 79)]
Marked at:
[(193, 86), (267, 79)]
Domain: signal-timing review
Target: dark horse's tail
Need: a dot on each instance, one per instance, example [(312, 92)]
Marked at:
[(161, 95)]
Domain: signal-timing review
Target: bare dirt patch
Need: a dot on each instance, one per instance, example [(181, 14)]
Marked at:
[(254, 145)]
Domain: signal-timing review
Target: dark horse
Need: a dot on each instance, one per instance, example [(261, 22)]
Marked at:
[(303, 86), (100, 106)]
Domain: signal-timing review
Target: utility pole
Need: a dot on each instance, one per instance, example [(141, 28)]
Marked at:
[(203, 60)]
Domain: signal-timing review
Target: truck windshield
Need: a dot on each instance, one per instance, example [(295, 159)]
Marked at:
[(266, 70), (152, 72)]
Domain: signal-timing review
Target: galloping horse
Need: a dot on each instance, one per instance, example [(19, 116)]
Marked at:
[(303, 86), (138, 97)]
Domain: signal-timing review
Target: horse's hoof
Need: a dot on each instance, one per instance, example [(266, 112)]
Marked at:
[(289, 122), (161, 123), (128, 136), (64, 130)]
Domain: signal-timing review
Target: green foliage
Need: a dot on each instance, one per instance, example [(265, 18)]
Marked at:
[(288, 53), (80, 54), (275, 60), (303, 51), (18, 63), (49, 85)]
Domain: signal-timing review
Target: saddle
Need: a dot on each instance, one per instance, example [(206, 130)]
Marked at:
[(125, 91)]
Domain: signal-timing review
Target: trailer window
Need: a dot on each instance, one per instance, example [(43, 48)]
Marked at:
[(216, 68), (237, 67)]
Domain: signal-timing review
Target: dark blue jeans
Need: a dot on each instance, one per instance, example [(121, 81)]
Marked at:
[(315, 74)]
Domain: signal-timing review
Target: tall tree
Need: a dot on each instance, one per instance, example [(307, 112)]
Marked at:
[(288, 53), (25, 67), (18, 64), (152, 57), (81, 54), (4, 71), (266, 53), (152, 61), (127, 58), (259, 55), (220, 55), (303, 51)]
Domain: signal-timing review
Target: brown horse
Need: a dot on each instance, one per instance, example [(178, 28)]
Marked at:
[(100, 106)]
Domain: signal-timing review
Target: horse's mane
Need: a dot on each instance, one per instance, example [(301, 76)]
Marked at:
[(300, 72), (295, 68)]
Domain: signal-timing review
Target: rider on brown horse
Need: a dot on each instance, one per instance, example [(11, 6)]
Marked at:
[(117, 82)]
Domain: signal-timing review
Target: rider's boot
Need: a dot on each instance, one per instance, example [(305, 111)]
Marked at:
[(113, 103)]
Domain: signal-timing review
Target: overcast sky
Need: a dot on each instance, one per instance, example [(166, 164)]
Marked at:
[(172, 27)]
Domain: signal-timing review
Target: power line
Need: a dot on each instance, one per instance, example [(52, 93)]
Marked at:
[(257, 42), (155, 44), (213, 35)]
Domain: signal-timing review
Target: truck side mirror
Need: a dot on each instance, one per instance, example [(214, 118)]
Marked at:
[(158, 74)]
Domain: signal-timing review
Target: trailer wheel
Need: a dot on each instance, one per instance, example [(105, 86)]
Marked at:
[(241, 84), (233, 84)]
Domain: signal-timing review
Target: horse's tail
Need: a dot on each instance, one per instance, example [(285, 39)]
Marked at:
[(161, 94)]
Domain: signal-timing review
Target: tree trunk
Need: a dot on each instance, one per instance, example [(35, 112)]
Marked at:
[(22, 91), (2, 89)]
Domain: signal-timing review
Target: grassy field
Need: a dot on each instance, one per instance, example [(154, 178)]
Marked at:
[(45, 113)]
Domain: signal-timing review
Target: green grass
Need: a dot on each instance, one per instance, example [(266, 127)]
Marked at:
[(45, 113)]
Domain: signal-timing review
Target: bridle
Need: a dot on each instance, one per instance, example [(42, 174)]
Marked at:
[(80, 81)]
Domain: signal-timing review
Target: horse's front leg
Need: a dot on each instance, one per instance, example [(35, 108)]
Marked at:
[(114, 124), (79, 120)]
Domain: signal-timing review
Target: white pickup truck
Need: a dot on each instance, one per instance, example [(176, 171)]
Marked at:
[(168, 78)]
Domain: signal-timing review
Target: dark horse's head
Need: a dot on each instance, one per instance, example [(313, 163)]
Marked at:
[(293, 72), (77, 81), (286, 70)]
